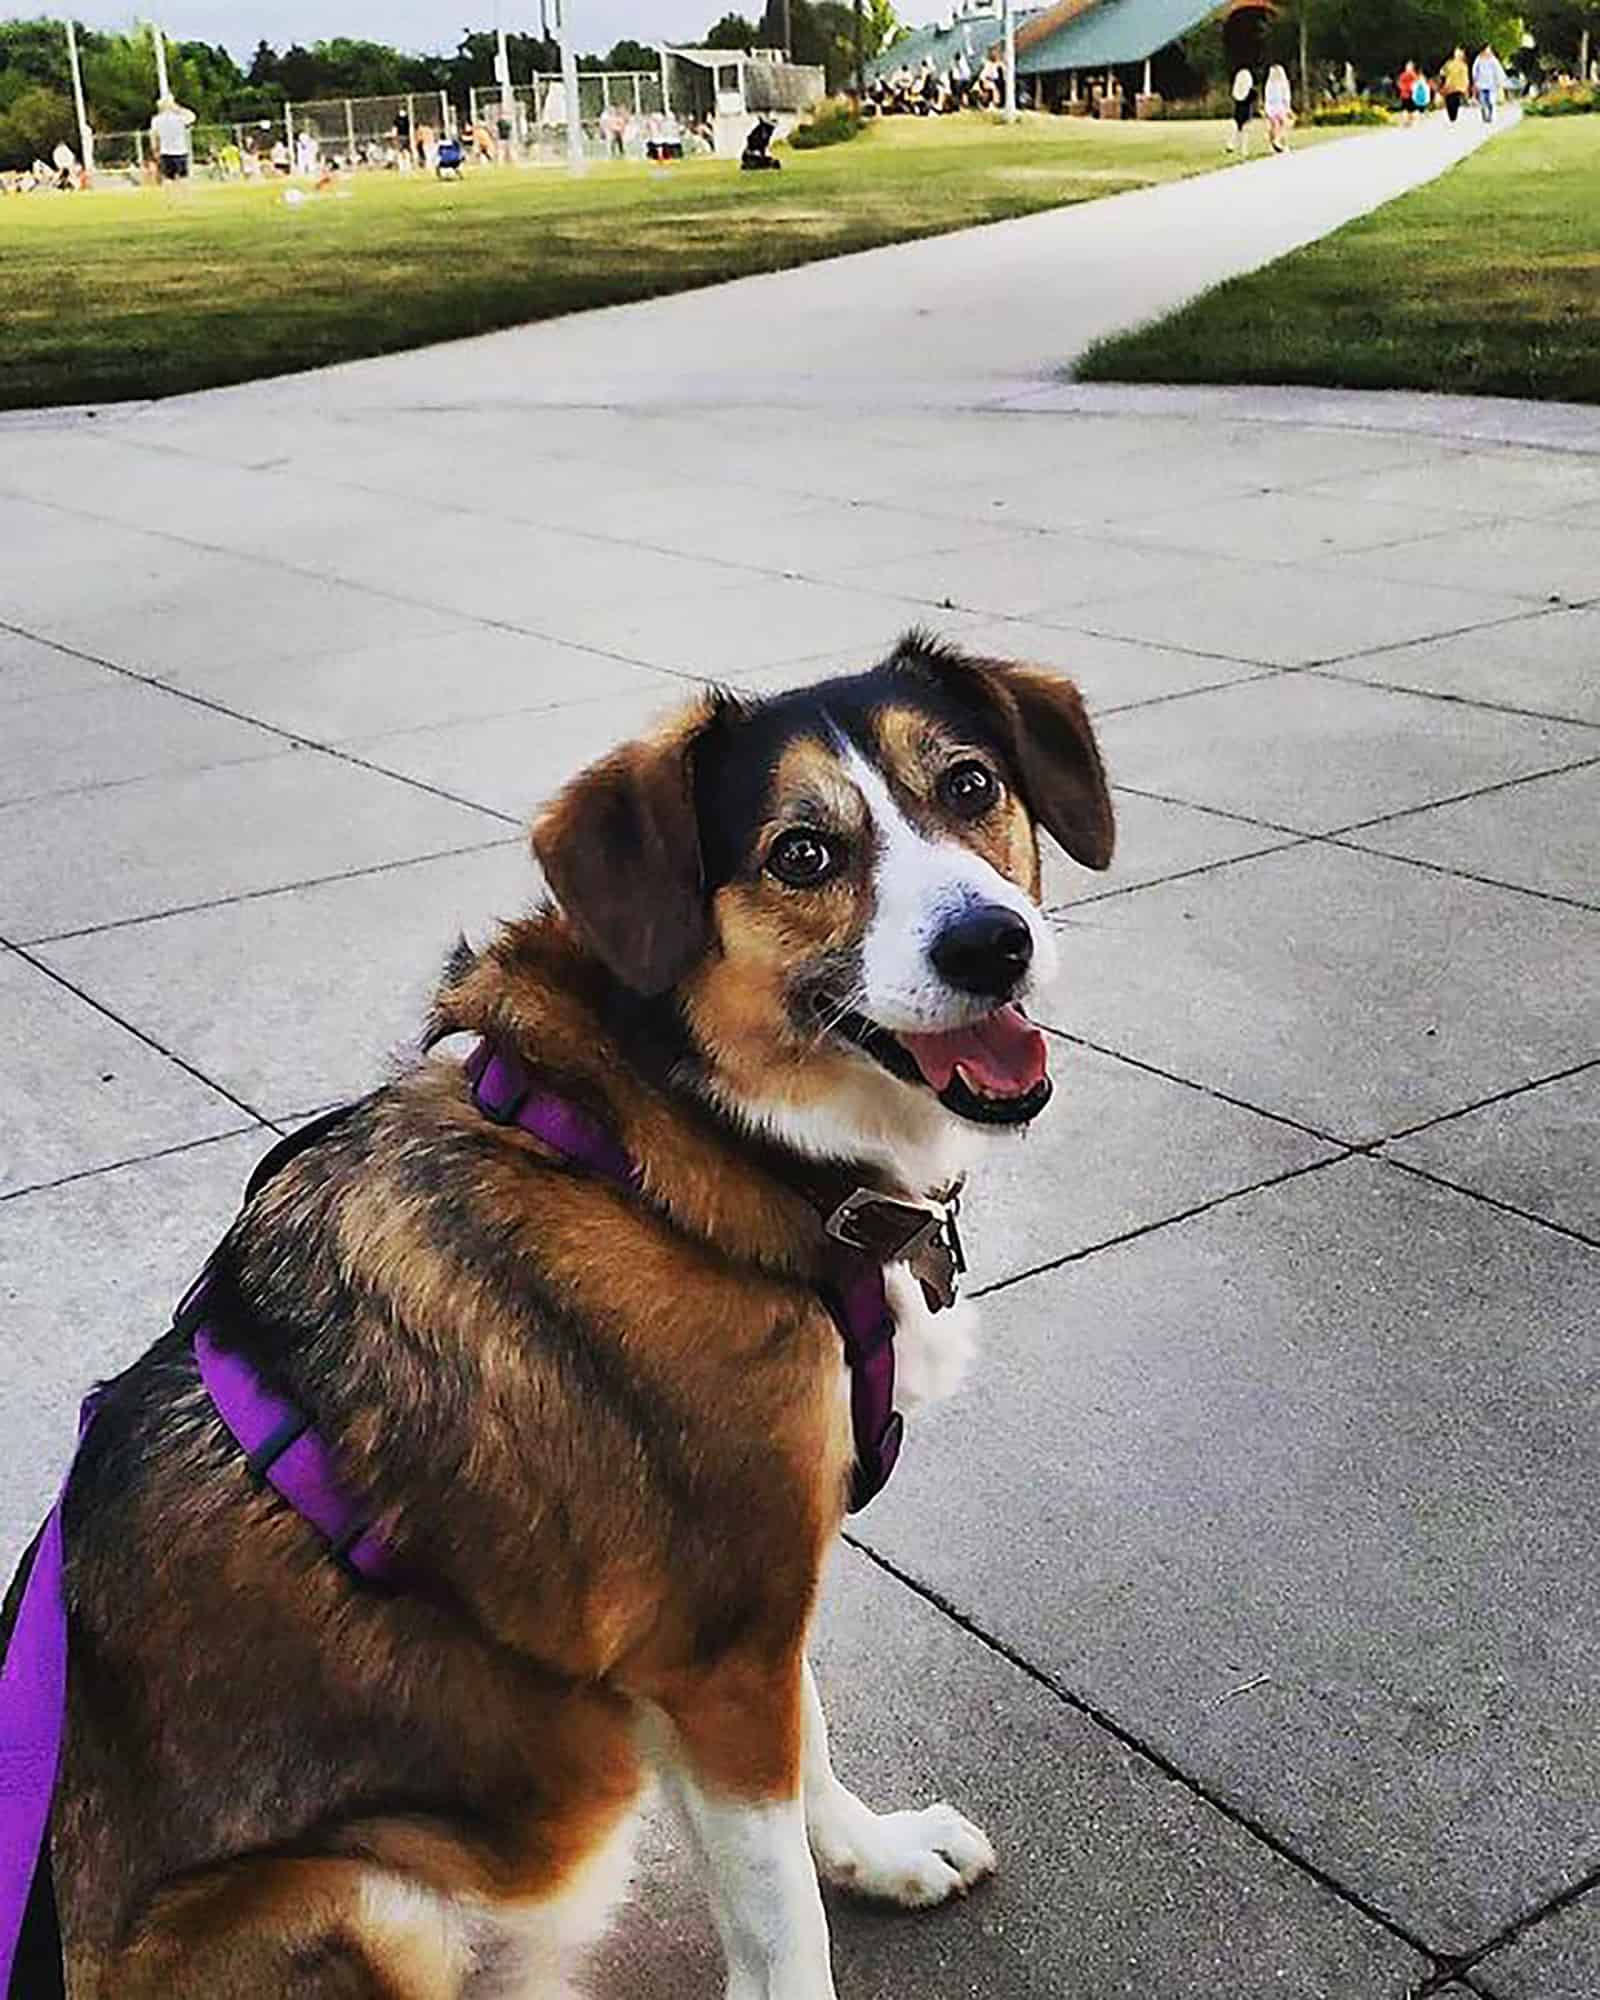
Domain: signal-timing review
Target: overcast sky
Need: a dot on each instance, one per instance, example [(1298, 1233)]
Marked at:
[(424, 25)]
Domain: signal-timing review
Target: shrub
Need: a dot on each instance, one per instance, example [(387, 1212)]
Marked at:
[(1566, 100), (834, 120), (1350, 111)]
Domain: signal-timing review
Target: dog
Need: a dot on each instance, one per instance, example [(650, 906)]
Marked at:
[(596, 1401)]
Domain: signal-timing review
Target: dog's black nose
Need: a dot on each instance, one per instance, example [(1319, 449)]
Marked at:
[(986, 950)]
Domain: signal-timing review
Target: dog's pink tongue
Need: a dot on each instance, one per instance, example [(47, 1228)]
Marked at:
[(1003, 1054)]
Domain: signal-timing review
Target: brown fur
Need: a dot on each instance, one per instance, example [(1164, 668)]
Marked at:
[(606, 1433)]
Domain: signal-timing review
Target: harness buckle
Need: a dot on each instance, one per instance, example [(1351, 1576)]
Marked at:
[(885, 1229)]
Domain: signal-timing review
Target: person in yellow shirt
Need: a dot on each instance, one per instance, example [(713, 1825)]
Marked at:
[(1456, 83)]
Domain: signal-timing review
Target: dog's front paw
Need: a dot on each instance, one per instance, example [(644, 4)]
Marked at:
[(915, 1859)]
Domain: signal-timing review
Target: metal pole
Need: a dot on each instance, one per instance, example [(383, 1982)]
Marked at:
[(160, 40), (502, 70), (861, 86), (569, 86), (85, 136), (1011, 60), (350, 131)]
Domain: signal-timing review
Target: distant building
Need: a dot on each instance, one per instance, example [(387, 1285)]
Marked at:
[(1060, 47)]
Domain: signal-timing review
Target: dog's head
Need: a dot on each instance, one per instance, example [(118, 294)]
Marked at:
[(839, 888)]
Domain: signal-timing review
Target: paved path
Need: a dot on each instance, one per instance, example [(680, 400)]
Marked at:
[(1250, 1596)]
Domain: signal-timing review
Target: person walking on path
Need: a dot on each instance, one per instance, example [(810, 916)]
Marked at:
[(1277, 101), (1456, 82), (1488, 81), (1244, 107), (1405, 87)]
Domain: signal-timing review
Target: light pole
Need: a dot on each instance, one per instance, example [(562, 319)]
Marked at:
[(1011, 61), (502, 71), (160, 40), (85, 136), (569, 87)]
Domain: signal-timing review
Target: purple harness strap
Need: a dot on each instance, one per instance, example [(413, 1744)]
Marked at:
[(505, 1092)]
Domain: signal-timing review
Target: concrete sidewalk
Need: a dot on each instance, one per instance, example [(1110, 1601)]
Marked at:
[(1249, 1596)]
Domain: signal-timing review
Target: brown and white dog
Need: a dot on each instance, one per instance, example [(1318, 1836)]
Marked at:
[(605, 1425)]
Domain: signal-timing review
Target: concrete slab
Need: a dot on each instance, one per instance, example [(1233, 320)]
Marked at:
[(451, 675), (1118, 1150), (1558, 1959), (1356, 994), (1543, 663), (1525, 485), (1311, 1510), (73, 742), (81, 1092), (1112, 673), (157, 843), (1112, 1880), (1283, 617), (1283, 524), (1547, 560), (30, 669), (163, 607), (1543, 833), (511, 764), (1312, 753), (340, 975), (1155, 838), (1534, 1151), (89, 1275), (1033, 577)]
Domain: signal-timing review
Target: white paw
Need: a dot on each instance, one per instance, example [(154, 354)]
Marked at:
[(933, 1351), (915, 1859)]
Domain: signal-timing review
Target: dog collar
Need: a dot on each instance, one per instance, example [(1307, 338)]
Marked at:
[(871, 1229)]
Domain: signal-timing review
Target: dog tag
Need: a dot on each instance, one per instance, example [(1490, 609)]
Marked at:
[(938, 1264)]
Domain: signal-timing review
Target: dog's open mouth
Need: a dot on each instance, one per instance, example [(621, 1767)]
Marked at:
[(993, 1072)]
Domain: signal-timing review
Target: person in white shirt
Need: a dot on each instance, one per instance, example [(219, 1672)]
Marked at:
[(1488, 81), (170, 131), (1277, 100)]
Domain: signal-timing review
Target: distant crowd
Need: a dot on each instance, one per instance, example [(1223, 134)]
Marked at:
[(925, 92)]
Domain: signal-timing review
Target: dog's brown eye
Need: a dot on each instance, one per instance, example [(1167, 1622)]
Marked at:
[(969, 789), (802, 858)]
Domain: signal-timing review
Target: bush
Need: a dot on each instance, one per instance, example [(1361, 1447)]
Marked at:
[(1350, 111), (1566, 100), (834, 120)]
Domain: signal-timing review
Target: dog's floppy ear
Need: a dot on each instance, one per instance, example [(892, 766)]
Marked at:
[(1044, 724), (620, 849)]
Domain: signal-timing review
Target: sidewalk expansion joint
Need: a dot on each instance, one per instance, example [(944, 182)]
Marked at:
[(1496, 1097), (135, 1160), (1484, 702), (272, 889), (1196, 1787), (1159, 1223), (1490, 1201), (294, 739), (140, 1035), (1488, 790)]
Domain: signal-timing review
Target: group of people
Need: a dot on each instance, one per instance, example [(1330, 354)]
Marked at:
[(925, 92), (1484, 80), (1277, 107)]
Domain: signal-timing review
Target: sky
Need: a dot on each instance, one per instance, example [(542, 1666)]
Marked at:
[(423, 25)]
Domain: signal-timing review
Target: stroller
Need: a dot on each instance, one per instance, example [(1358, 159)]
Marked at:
[(755, 158), (448, 158)]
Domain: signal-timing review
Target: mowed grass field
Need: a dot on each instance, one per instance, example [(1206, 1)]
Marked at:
[(150, 292), (1487, 282)]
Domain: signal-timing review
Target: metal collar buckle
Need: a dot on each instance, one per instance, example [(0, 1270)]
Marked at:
[(904, 1232)]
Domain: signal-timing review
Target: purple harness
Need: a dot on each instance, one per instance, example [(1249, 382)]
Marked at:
[(281, 1448)]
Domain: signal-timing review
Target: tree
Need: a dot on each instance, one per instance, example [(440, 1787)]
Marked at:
[(632, 55), (881, 28), (1565, 32), (733, 31), (34, 124)]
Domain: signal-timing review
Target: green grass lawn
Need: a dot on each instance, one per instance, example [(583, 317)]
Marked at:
[(149, 292), (1487, 282)]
